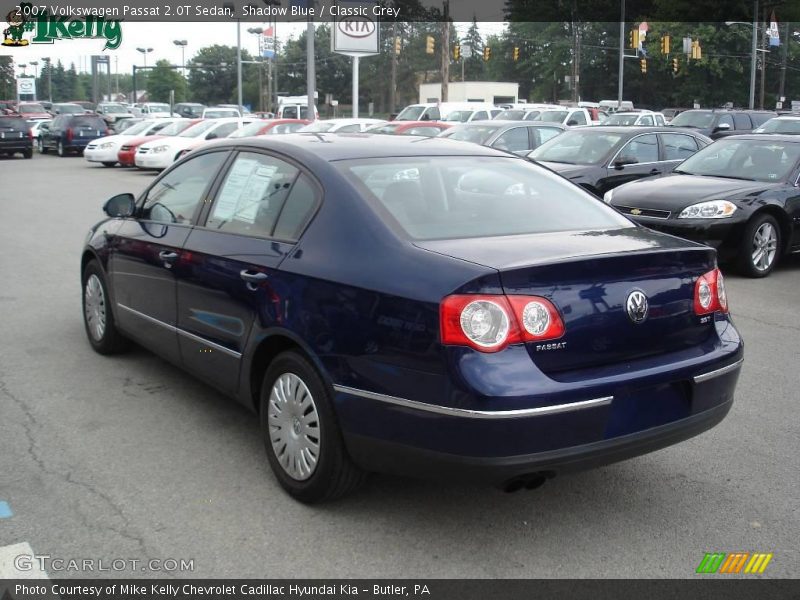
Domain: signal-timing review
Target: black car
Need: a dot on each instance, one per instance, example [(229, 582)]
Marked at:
[(15, 136), (720, 123), (603, 157), (739, 195), (511, 136), (71, 133), (190, 110)]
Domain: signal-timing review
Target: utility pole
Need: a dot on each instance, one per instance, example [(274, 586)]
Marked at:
[(311, 74), (393, 83), (784, 53), (621, 52), (763, 61), (445, 50)]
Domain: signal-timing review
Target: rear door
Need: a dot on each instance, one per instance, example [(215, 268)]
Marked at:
[(146, 251), (229, 278), (675, 148)]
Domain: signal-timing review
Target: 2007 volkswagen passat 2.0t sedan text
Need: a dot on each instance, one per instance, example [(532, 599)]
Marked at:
[(418, 306)]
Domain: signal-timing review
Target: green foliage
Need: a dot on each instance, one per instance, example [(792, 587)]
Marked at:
[(8, 88), (164, 78)]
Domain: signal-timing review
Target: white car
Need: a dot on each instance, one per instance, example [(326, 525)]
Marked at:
[(566, 116), (35, 127), (220, 112), (340, 125), (643, 118), (104, 150), (161, 153)]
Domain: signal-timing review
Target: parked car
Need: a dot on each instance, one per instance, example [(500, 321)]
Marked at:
[(507, 327), (785, 125), (602, 158), (511, 136), (565, 116), (161, 153), (423, 128), (67, 108), (15, 136), (635, 119), (189, 110), (71, 133), (220, 112), (33, 111), (105, 150), (113, 112), (8, 107), (123, 124), (85, 104), (35, 129), (469, 114), (738, 195), (671, 113), (126, 156), (719, 123), (341, 125), (154, 109), (270, 127)]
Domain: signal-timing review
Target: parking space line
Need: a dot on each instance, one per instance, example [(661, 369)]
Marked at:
[(8, 565)]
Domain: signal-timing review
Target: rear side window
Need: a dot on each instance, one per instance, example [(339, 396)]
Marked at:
[(513, 140), (760, 118), (677, 146), (578, 117), (297, 210), (742, 121), (461, 197), (433, 114)]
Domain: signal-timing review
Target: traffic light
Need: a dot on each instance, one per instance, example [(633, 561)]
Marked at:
[(457, 52), (487, 53), (697, 51), (430, 45), (397, 45), (643, 63), (633, 38), (516, 54), (665, 43), (675, 65)]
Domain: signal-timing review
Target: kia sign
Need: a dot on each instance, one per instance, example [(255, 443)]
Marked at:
[(356, 29)]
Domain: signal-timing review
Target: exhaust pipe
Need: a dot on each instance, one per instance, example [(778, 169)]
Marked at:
[(530, 481)]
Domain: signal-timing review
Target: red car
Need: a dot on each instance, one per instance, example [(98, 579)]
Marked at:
[(264, 127), (33, 111), (127, 152), (424, 128)]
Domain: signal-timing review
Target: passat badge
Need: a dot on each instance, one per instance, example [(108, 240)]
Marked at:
[(637, 306)]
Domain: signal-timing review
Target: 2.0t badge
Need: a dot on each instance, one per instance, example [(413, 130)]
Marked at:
[(637, 306)]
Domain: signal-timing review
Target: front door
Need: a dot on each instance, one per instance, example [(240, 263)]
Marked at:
[(146, 250), (643, 152)]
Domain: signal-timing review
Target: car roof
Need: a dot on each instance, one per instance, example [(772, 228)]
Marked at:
[(349, 146), (787, 118), (772, 137), (511, 122), (638, 129)]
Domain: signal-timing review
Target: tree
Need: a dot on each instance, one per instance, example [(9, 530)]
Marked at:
[(214, 79), (7, 81), (163, 78), (73, 86), (472, 45)]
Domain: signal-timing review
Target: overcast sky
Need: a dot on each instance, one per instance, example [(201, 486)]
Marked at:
[(160, 36)]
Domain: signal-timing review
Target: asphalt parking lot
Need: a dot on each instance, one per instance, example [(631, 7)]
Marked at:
[(129, 458)]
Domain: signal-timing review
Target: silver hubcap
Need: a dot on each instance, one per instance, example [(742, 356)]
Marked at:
[(294, 426), (765, 246), (94, 307)]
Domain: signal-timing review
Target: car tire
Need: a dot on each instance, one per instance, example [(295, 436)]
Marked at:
[(28, 153), (42, 149), (98, 317), (109, 164), (298, 423), (760, 247), (60, 150)]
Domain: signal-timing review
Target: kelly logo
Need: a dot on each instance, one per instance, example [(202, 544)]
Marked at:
[(734, 563), (47, 28)]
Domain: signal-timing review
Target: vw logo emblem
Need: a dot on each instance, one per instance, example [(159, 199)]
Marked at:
[(637, 306)]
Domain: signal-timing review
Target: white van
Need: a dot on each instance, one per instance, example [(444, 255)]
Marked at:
[(612, 106), (439, 111)]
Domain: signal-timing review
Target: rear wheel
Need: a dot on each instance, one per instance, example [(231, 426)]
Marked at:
[(42, 149), (302, 437), (60, 150), (109, 164), (28, 153), (98, 317), (760, 246)]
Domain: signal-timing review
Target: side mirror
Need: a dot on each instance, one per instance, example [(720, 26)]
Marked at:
[(120, 206), (722, 127), (620, 163)]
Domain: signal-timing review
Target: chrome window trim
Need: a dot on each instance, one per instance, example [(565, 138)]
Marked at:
[(476, 414), (718, 372), (652, 162), (179, 331)]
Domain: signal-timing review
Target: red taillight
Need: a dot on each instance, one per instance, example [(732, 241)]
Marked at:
[(30, 134), (69, 134), (489, 323), (709, 293)]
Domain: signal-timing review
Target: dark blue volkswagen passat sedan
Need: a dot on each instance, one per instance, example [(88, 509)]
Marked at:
[(415, 306)]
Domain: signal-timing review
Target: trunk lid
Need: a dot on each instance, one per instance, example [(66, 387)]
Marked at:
[(589, 276)]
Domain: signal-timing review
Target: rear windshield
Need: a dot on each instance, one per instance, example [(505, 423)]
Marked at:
[(446, 197), (318, 127), (552, 116), (476, 133), (693, 118), (791, 126), (198, 129), (16, 124), (31, 108), (88, 123), (75, 109), (249, 130)]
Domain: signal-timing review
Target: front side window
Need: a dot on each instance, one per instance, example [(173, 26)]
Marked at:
[(513, 140), (644, 149), (677, 146), (578, 117), (441, 197), (647, 120), (176, 197), (253, 195)]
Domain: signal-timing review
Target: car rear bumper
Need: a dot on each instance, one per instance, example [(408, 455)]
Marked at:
[(597, 421), (16, 145)]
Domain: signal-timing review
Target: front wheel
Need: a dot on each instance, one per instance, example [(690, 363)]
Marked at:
[(60, 150), (760, 246), (109, 164), (42, 149), (98, 318), (302, 437)]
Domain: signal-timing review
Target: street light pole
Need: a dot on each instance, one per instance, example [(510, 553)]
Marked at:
[(621, 53), (239, 65), (753, 52), (145, 52), (182, 44)]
